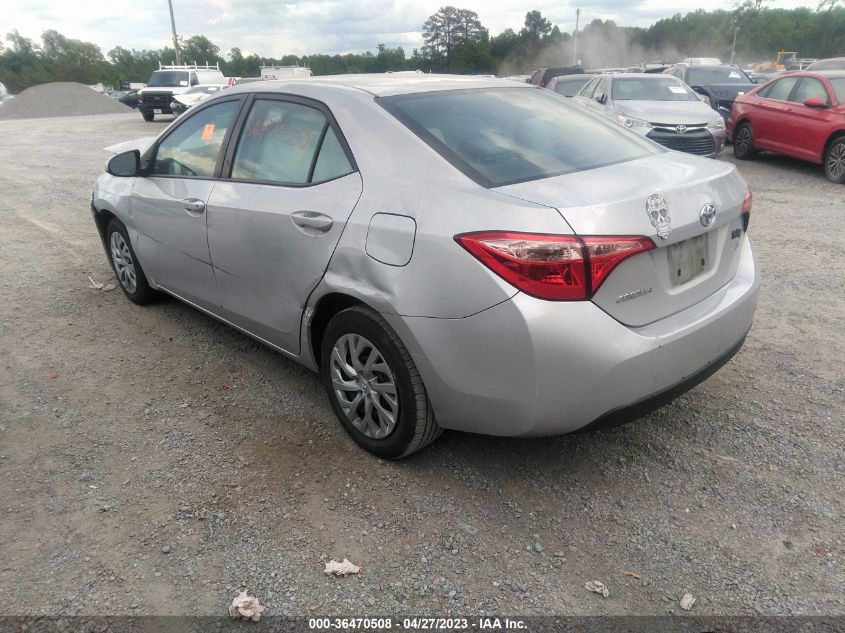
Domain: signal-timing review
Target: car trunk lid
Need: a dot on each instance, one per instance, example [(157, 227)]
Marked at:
[(691, 261)]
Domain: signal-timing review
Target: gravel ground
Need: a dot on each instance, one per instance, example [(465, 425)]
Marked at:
[(155, 461)]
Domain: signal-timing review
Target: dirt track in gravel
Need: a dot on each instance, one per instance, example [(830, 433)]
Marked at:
[(155, 461)]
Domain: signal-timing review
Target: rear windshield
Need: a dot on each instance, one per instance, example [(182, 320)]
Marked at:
[(839, 88), (704, 76), (647, 89), (168, 78), (501, 136)]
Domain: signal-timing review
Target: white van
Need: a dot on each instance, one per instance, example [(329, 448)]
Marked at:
[(171, 80)]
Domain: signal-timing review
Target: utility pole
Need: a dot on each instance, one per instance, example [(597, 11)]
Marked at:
[(733, 46), (175, 39), (575, 40)]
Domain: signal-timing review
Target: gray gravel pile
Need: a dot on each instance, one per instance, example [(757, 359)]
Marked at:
[(63, 98)]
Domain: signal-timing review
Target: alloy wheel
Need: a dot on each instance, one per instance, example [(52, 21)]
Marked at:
[(743, 139), (364, 386), (124, 264), (836, 160)]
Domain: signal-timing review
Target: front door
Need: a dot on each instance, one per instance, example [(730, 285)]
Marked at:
[(169, 204), (274, 223), (805, 128)]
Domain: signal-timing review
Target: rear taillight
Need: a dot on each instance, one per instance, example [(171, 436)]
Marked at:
[(746, 209), (552, 267)]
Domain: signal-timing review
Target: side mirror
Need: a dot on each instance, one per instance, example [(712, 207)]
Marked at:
[(195, 82), (602, 98), (815, 102), (125, 164)]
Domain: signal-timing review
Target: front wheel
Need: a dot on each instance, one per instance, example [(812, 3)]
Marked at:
[(148, 116), (744, 142), (834, 161), (126, 267), (374, 387)]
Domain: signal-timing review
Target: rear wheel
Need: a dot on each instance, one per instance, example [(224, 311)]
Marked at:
[(744, 142), (834, 161), (374, 387), (148, 116), (126, 267)]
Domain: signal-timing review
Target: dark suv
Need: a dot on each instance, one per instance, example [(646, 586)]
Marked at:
[(719, 84)]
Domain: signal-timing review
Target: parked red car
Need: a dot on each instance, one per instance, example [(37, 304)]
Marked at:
[(800, 114)]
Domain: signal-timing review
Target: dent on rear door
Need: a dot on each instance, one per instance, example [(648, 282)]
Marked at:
[(265, 264)]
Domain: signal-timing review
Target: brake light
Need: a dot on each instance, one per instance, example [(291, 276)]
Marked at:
[(552, 267), (746, 209)]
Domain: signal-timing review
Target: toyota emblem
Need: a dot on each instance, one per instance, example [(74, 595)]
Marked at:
[(681, 129), (708, 214)]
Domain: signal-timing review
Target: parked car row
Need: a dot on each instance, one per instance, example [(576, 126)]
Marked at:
[(799, 114)]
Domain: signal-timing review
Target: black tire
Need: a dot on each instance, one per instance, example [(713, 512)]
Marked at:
[(141, 293), (743, 140), (415, 426), (148, 116), (834, 161)]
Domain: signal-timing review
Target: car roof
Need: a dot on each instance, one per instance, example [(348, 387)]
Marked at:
[(830, 74), (560, 78), (646, 76), (384, 84)]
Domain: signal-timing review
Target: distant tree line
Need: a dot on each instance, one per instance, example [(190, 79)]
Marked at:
[(456, 41)]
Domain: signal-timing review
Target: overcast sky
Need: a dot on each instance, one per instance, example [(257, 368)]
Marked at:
[(273, 28)]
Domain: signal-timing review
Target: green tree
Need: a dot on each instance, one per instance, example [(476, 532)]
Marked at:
[(536, 25)]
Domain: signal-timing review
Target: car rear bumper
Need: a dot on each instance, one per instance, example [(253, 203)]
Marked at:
[(531, 367)]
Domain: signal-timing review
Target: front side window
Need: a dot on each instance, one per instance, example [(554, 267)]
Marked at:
[(587, 91), (501, 136), (658, 89), (602, 88), (288, 143), (838, 84), (781, 88), (192, 149), (809, 88)]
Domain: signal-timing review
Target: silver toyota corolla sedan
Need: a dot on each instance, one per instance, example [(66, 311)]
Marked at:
[(448, 252), (660, 107)]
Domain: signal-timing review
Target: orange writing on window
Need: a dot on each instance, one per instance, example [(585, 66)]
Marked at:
[(207, 132)]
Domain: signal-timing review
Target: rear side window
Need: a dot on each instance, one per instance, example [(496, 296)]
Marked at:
[(192, 149), (288, 143), (781, 88), (569, 87), (501, 136)]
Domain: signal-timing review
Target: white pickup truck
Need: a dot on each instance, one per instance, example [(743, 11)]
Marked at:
[(170, 80)]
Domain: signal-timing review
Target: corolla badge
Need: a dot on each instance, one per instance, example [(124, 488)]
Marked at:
[(708, 214), (658, 214)]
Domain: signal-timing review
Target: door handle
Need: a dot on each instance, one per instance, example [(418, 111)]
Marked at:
[(193, 205), (312, 220)]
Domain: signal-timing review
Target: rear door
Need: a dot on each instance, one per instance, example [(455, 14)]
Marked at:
[(274, 220), (769, 114), (168, 204)]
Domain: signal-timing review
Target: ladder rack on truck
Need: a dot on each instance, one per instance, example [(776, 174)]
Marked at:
[(193, 66)]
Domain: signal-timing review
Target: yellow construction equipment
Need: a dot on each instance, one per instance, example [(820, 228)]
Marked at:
[(779, 65)]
